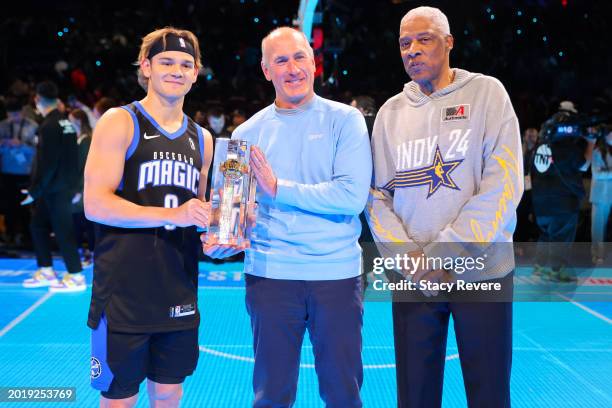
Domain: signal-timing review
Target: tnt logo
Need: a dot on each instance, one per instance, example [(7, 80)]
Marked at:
[(96, 368), (458, 112), (543, 158)]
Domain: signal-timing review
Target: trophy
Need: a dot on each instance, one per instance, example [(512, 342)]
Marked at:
[(232, 192)]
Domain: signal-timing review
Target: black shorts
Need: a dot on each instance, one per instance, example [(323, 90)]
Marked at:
[(121, 361)]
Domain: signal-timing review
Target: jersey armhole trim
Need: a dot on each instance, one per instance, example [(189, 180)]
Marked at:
[(201, 140), (136, 135)]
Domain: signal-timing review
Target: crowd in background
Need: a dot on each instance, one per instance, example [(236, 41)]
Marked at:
[(544, 52)]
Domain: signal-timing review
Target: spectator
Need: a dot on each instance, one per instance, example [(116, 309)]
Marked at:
[(82, 226), (601, 196), (526, 228), (74, 103), (51, 191), (103, 104), (17, 141), (200, 118), (530, 140), (238, 118), (367, 107), (215, 122)]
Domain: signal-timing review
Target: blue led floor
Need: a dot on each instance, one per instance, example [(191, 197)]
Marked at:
[(562, 352)]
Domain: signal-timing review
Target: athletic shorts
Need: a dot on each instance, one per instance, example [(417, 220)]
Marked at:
[(121, 361)]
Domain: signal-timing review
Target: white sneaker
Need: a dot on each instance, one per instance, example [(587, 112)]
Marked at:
[(71, 282), (42, 277)]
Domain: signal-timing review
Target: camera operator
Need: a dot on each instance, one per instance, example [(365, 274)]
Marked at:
[(562, 155), (526, 228)]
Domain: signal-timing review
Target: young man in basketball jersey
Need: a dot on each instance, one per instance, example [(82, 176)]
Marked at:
[(144, 184)]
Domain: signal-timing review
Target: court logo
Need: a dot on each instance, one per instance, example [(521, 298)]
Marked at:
[(457, 112), (96, 368)]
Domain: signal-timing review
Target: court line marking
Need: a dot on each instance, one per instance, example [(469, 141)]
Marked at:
[(561, 364), (230, 356), (19, 285), (26, 268), (586, 309), (25, 313), (208, 287), (559, 350), (19, 289), (29, 263), (241, 287)]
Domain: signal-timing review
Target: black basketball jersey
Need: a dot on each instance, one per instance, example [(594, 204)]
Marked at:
[(145, 279)]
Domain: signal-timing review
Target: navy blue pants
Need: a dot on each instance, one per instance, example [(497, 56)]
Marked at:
[(484, 340), (557, 233), (281, 311), (52, 212)]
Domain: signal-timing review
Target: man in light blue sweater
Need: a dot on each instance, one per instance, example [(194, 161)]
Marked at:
[(448, 174), (313, 165)]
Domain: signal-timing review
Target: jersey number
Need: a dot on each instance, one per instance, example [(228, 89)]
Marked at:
[(459, 143), (170, 201)]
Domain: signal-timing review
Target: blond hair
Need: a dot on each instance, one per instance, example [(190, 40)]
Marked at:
[(151, 38)]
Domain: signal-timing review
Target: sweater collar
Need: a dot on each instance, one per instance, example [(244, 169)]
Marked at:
[(417, 97), (296, 111)]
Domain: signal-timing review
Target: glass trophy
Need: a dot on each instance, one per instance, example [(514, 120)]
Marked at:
[(232, 192)]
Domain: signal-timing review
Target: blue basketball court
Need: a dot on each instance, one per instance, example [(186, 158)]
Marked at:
[(562, 350)]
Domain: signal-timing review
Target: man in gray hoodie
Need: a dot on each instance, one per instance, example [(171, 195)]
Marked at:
[(448, 177)]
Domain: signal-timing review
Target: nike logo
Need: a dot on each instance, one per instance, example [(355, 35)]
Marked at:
[(147, 137)]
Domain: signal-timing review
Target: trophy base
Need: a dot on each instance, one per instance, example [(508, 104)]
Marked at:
[(224, 239)]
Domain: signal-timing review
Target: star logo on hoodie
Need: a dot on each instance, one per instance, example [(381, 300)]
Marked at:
[(436, 175)]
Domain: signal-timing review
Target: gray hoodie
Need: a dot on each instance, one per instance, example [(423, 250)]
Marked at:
[(448, 169)]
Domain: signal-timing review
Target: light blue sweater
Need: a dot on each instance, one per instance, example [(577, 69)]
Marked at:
[(321, 156)]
